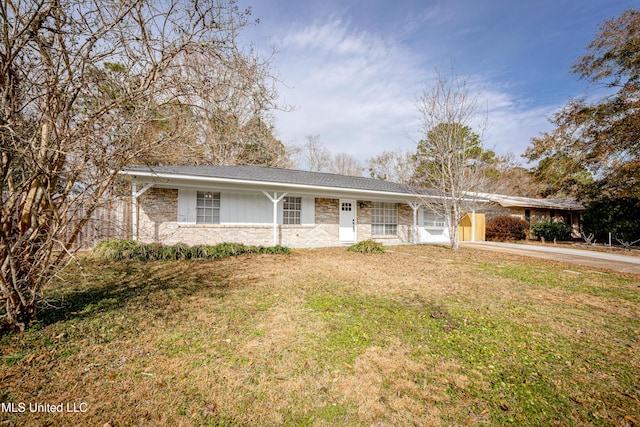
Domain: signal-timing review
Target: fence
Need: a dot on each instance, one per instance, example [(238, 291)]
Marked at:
[(106, 222), (478, 227)]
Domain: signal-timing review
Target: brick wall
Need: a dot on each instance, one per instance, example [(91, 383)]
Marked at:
[(157, 222), (157, 215), (363, 220), (327, 211)]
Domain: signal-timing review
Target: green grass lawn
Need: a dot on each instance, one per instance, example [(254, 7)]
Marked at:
[(419, 336)]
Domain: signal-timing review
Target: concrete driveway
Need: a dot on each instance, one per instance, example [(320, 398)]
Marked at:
[(604, 260)]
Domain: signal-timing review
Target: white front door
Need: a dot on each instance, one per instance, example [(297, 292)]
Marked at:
[(347, 220)]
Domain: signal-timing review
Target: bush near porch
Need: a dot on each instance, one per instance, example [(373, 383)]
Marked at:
[(116, 250), (551, 231), (506, 227)]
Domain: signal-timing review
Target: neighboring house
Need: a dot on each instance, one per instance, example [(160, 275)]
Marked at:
[(264, 206), (537, 210)]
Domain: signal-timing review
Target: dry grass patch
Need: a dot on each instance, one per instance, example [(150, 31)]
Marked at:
[(419, 335)]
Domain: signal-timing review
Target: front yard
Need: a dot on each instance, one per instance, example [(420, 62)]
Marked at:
[(418, 336)]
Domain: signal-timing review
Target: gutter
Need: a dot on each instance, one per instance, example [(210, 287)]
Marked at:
[(269, 184)]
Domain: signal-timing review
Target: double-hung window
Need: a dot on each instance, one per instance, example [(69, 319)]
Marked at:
[(433, 220), (208, 208), (291, 210), (385, 219)]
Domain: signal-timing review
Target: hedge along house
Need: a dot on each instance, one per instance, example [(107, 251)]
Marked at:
[(565, 210), (265, 206)]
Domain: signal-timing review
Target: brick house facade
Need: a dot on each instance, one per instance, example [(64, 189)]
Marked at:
[(311, 209)]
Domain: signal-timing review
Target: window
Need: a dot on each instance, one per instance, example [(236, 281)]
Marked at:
[(291, 209), (208, 208), (346, 206), (527, 215), (433, 220), (385, 219)]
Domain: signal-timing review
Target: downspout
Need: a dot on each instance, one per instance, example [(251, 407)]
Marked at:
[(275, 199)]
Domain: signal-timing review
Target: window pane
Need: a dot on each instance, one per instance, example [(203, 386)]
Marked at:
[(432, 219), (291, 209), (207, 207), (384, 219)]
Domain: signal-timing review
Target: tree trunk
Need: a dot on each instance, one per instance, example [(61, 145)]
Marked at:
[(20, 313), (454, 228)]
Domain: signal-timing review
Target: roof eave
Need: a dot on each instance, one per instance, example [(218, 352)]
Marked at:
[(267, 184)]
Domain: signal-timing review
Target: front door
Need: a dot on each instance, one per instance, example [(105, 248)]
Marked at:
[(347, 220)]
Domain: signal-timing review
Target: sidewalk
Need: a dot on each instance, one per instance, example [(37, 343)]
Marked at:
[(595, 259)]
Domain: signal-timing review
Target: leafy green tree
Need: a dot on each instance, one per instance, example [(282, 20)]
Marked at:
[(462, 143), (258, 146), (560, 175), (600, 138), (617, 216)]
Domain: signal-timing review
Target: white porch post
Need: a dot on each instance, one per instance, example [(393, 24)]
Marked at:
[(134, 206), (275, 199), (415, 206), (473, 224)]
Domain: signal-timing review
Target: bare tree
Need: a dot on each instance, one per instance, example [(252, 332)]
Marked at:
[(344, 164), (506, 176), (87, 87), (235, 98), (395, 166), (316, 156), (449, 154)]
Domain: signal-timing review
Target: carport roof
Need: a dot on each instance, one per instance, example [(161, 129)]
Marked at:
[(567, 204)]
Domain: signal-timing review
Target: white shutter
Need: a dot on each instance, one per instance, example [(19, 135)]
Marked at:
[(308, 214), (187, 206)]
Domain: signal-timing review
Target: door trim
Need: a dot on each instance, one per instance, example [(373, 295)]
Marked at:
[(354, 207)]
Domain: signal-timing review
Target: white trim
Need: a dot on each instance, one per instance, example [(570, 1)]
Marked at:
[(415, 206), (275, 200), (280, 185), (354, 224), (246, 225)]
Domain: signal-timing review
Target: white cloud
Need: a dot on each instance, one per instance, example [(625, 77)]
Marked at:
[(351, 87), (356, 89)]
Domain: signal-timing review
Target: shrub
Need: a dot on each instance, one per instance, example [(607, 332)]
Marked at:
[(367, 247), (506, 227), (274, 250), (118, 250), (115, 249), (552, 231), (609, 215)]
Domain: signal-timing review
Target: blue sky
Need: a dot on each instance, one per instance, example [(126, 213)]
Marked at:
[(352, 69)]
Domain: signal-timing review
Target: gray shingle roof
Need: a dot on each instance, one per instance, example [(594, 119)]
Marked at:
[(277, 175)]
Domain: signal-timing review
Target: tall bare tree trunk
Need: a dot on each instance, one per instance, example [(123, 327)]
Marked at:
[(88, 87), (447, 156)]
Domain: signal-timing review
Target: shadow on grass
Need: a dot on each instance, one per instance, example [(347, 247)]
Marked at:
[(152, 287)]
